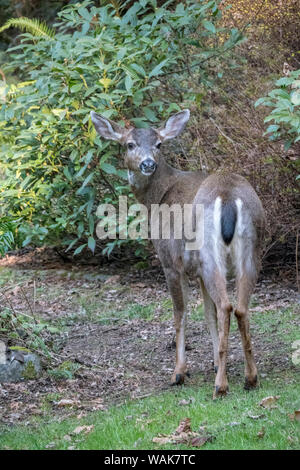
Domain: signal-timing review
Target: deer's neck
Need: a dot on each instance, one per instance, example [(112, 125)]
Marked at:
[(151, 189)]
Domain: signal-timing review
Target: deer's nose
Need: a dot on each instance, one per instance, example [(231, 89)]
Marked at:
[(148, 165)]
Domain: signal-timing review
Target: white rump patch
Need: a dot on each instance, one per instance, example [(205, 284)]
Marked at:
[(237, 242), (218, 245)]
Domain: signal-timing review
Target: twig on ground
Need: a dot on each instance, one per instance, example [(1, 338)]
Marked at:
[(221, 132), (28, 303)]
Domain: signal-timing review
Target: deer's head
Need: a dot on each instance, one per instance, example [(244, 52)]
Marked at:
[(142, 145)]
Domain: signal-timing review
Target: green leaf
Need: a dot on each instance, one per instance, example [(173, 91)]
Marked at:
[(76, 88), (85, 13), (92, 244), (287, 145), (108, 168), (67, 173), (128, 83), (158, 69), (272, 128), (295, 98), (70, 246), (139, 69), (91, 225), (284, 81), (79, 249), (86, 181), (209, 26), (150, 114)]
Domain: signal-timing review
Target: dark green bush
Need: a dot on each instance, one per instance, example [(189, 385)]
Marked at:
[(285, 101), (143, 63), (9, 237)]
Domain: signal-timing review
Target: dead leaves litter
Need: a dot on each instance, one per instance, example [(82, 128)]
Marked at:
[(184, 435), (256, 416), (83, 429), (269, 402), (184, 426), (261, 433), (185, 402), (67, 402)]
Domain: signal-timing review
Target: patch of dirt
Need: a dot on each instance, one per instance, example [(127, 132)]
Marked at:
[(132, 357)]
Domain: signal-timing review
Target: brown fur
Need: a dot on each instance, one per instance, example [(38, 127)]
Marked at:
[(167, 185)]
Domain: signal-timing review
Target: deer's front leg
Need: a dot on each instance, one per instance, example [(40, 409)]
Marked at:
[(178, 287)]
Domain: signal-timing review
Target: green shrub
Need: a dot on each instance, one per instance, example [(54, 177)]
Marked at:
[(142, 63), (285, 101), (24, 329), (9, 237), (66, 370)]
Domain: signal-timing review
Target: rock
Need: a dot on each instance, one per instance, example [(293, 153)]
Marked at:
[(16, 366)]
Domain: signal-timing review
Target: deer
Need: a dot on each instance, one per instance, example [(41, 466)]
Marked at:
[(234, 221)]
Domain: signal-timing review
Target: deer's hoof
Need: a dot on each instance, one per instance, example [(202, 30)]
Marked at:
[(220, 391), (216, 369), (178, 379), (250, 383)]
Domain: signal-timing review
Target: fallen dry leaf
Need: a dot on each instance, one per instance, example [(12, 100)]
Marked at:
[(139, 285), (96, 404), (261, 433), (184, 435), (85, 429), (200, 441), (162, 440), (256, 416), (268, 402), (15, 405), (186, 402), (112, 279), (184, 426), (66, 402)]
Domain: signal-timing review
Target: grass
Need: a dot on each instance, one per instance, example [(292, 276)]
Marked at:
[(281, 322), (144, 312), (134, 424)]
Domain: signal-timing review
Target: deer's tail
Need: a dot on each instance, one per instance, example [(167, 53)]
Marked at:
[(228, 220)]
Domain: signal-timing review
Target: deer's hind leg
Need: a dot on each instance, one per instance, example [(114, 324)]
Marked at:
[(178, 287), (245, 285), (215, 284), (210, 314), (246, 261)]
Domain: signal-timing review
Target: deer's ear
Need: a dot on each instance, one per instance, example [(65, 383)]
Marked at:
[(174, 125), (107, 128)]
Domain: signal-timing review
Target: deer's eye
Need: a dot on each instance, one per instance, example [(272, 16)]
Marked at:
[(158, 145), (130, 146)]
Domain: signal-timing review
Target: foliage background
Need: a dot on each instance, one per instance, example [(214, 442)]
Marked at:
[(56, 169), (66, 171)]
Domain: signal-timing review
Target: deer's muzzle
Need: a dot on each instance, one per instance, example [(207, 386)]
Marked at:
[(148, 166)]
